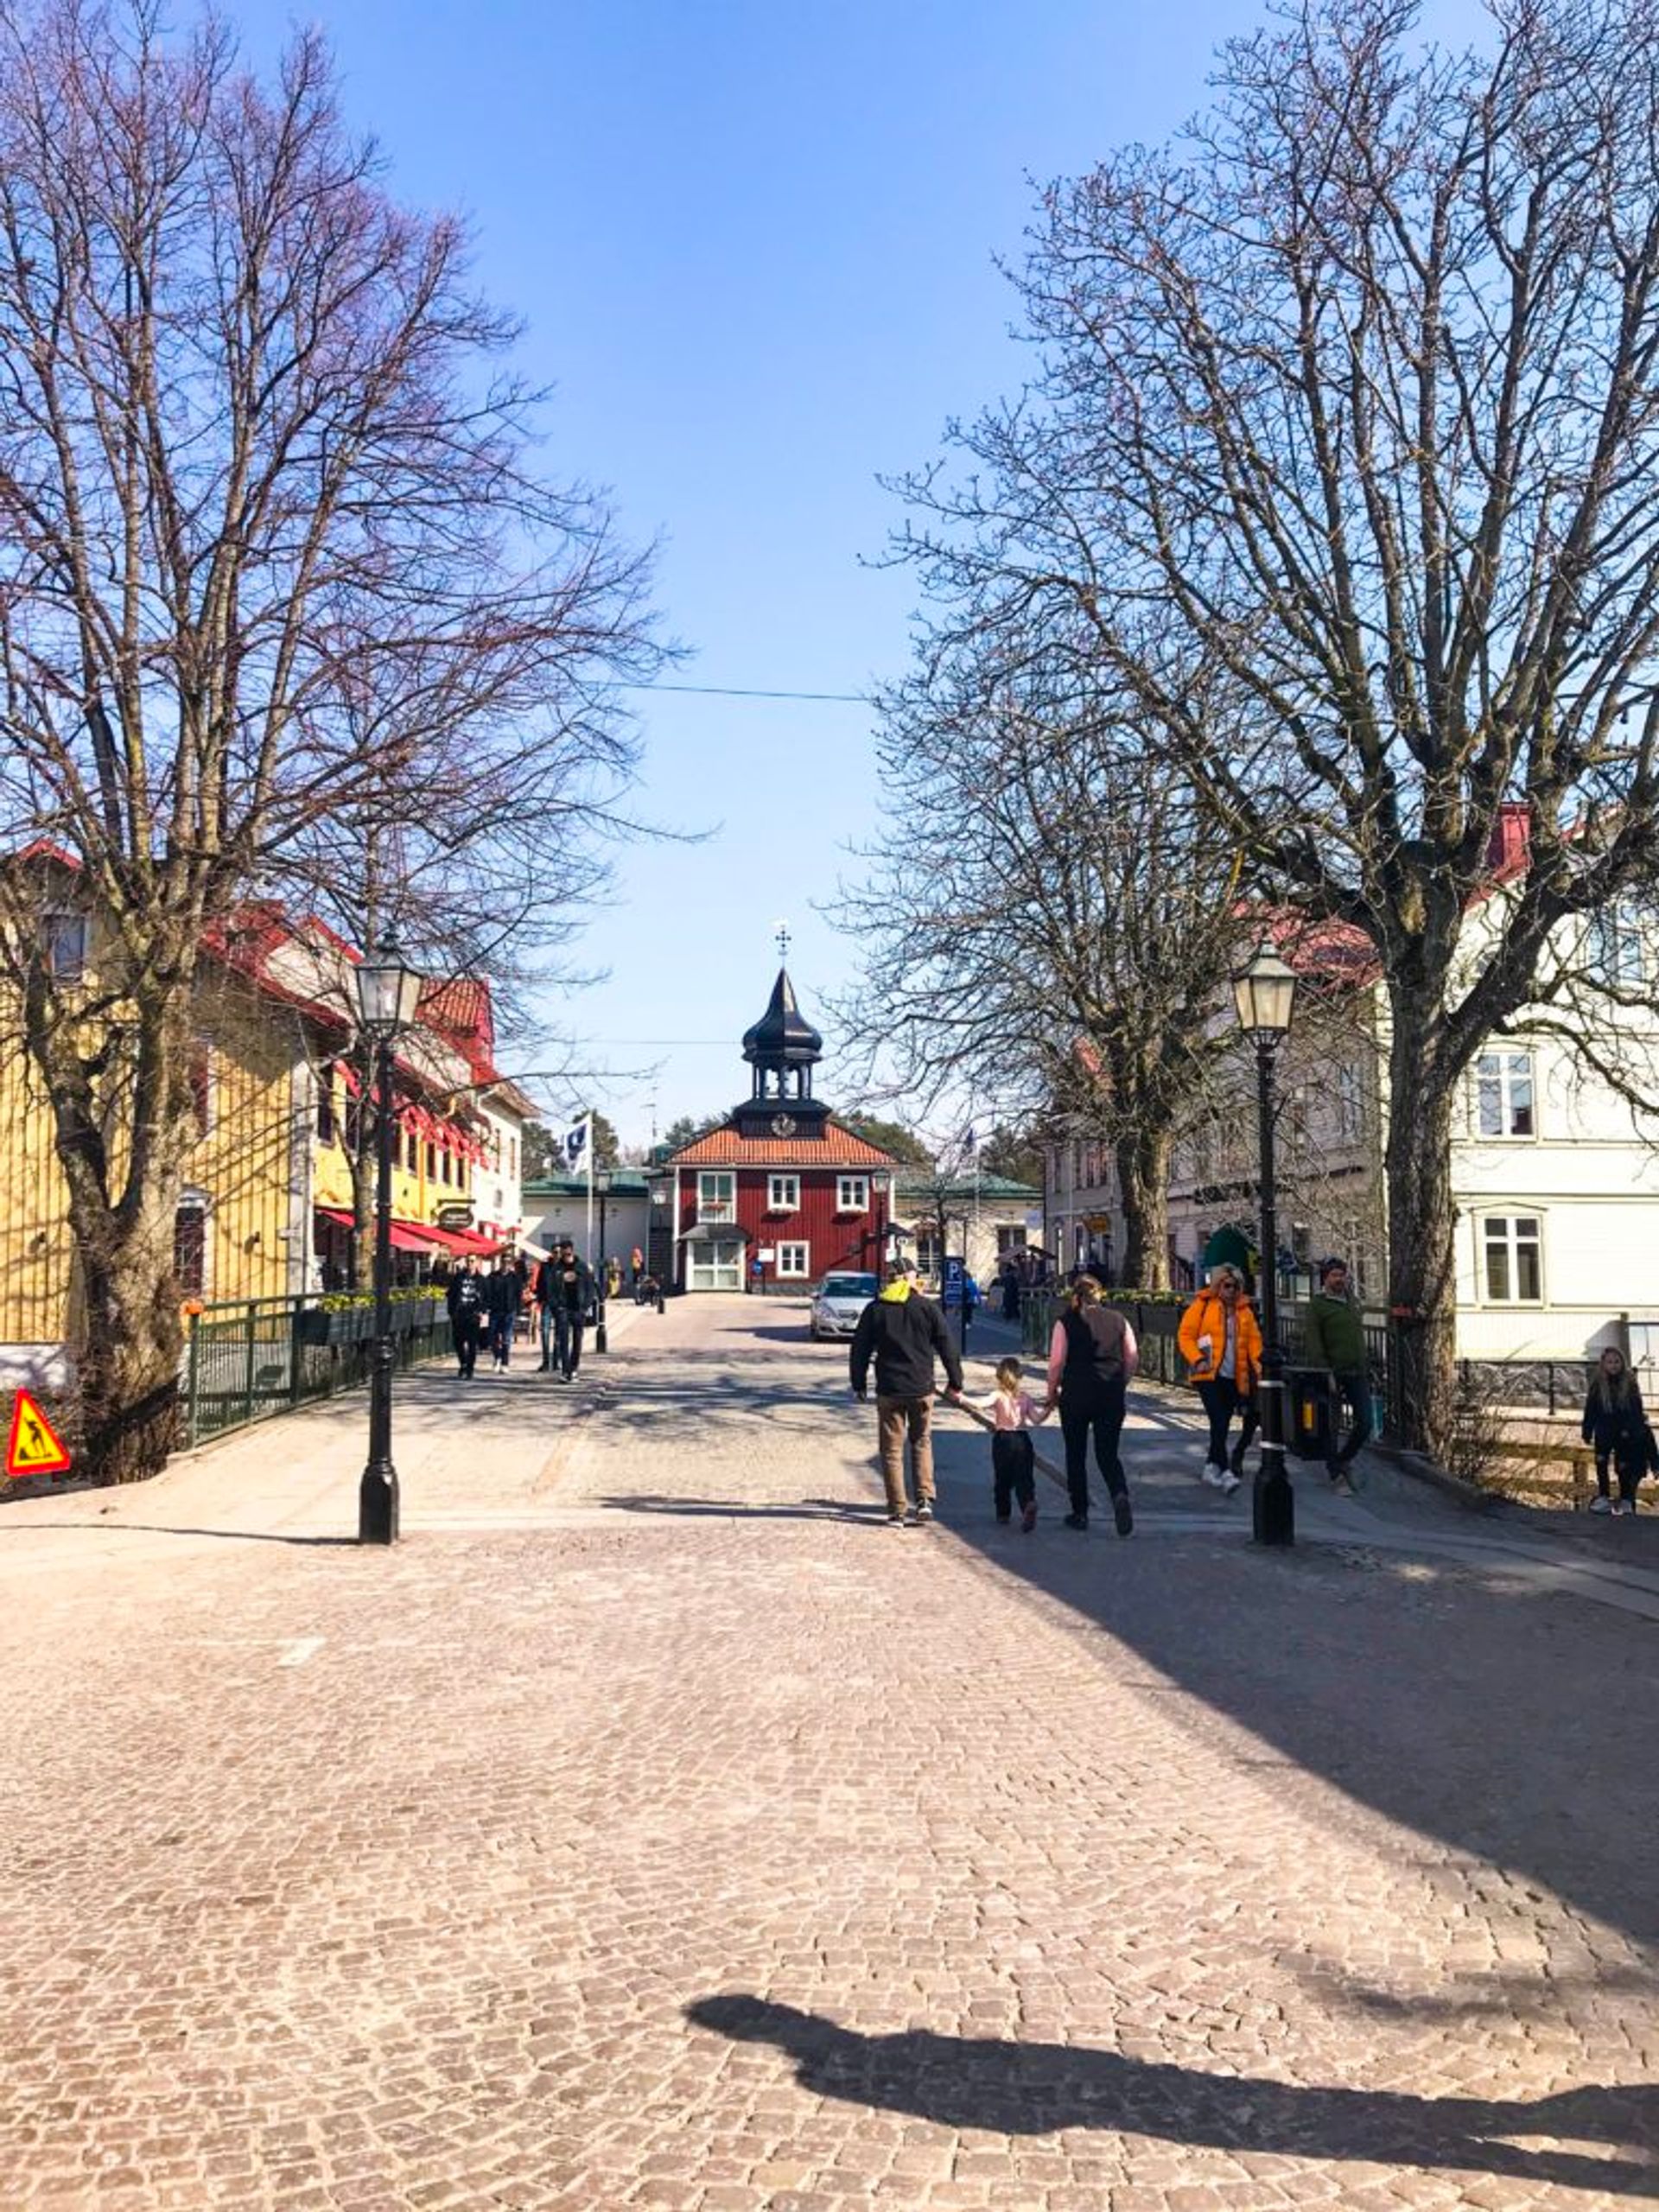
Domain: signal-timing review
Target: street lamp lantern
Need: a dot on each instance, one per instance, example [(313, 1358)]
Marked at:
[(388, 993), (1264, 992), (388, 999)]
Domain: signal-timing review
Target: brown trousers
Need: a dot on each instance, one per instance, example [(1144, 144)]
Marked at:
[(895, 1418)]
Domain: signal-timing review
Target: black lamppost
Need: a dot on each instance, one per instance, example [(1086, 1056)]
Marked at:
[(1264, 993), (388, 994), (601, 1335)]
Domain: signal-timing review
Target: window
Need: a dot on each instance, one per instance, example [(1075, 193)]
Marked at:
[(201, 1087), (794, 1259), (716, 1197), (328, 1126), (431, 1163), (1010, 1240), (1351, 1103), (190, 1247), (1514, 1259), (783, 1193), (1614, 945), (852, 1193), (1504, 1095), (63, 941)]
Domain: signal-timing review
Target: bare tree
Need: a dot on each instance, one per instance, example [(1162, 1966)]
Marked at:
[(274, 565), (1350, 399), (1047, 922)]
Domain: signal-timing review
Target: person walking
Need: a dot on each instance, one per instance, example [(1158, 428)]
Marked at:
[(1616, 1425), (636, 1271), (1015, 1413), (503, 1294), (465, 1300), (1334, 1337), (564, 1291), (903, 1334), (1091, 1356), (1220, 1338)]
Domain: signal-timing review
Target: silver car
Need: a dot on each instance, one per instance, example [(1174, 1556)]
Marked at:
[(838, 1301)]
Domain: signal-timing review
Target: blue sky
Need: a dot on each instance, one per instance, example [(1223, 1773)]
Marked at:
[(755, 247)]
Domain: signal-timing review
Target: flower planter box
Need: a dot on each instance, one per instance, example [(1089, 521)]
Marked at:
[(350, 1325)]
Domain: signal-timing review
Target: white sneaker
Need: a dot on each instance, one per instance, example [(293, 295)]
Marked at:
[(1217, 1477), (1228, 1481), (1601, 1505)]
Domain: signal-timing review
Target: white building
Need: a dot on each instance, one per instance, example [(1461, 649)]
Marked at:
[(1555, 1174)]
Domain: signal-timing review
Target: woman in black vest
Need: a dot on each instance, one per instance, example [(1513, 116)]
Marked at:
[(1091, 1356)]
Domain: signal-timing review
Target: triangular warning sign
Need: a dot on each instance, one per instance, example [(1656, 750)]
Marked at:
[(33, 1448)]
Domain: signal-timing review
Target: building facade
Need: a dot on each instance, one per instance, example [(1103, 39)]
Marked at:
[(1554, 1170), (779, 1193), (267, 1206), (987, 1219)]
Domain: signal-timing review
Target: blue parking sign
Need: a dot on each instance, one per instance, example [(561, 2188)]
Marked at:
[(951, 1281)]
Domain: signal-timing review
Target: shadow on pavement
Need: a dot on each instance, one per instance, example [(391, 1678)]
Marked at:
[(734, 1508), (183, 1529), (1035, 2088), (1509, 1722)]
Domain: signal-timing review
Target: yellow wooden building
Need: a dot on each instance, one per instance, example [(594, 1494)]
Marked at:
[(267, 1206)]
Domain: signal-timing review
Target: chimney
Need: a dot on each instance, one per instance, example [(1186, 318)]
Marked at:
[(1511, 838)]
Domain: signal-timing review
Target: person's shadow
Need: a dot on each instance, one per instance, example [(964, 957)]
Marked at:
[(1035, 2088)]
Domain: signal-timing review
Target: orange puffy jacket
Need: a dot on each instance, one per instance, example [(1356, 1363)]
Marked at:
[(1207, 1317)]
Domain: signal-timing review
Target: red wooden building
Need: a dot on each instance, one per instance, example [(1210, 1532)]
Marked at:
[(779, 1193)]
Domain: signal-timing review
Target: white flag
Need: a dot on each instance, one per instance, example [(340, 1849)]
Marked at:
[(575, 1143)]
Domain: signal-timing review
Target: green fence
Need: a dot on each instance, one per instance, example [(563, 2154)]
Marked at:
[(247, 1361)]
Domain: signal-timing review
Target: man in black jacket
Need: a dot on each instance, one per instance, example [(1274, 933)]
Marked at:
[(904, 1333), (564, 1291), (465, 1299), (503, 1291)]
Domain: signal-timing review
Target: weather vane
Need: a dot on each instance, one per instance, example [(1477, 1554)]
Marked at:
[(783, 940)]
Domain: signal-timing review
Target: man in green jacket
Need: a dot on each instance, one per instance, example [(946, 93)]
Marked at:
[(1335, 1337)]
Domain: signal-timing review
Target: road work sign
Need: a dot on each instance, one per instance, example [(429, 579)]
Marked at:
[(33, 1448)]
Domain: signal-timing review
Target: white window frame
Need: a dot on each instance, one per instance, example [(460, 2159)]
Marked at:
[(783, 1194), (1510, 1242), (861, 1183), (794, 1261), (60, 929), (712, 1207), (1506, 1068), (1613, 942), (1351, 1102)]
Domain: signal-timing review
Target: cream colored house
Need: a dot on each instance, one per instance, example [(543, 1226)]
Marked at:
[(1555, 1174)]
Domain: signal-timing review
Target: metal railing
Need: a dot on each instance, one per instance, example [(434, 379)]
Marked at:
[(247, 1361)]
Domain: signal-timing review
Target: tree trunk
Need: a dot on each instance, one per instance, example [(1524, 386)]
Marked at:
[(1143, 1188), (1422, 1284), (128, 1364), (123, 1207)]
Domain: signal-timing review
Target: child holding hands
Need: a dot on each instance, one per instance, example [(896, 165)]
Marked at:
[(1015, 1413)]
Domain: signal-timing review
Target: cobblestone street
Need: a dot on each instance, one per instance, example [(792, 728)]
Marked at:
[(654, 1826)]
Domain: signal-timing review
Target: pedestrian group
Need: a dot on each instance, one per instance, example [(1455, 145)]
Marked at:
[(1093, 1357)]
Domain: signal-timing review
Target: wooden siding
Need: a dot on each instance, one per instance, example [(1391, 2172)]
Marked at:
[(242, 1165), (835, 1239)]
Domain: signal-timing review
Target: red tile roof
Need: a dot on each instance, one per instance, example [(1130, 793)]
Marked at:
[(724, 1148)]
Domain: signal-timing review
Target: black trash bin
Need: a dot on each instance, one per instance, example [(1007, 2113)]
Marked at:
[(1312, 1412)]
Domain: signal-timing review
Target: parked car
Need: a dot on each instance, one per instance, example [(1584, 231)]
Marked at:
[(837, 1302)]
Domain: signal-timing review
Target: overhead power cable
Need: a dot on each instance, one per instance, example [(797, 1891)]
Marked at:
[(733, 692)]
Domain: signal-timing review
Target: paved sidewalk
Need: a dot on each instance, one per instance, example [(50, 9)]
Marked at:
[(655, 1828)]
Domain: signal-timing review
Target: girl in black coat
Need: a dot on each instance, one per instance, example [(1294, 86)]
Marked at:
[(1616, 1425)]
